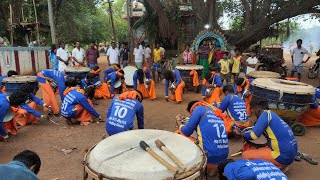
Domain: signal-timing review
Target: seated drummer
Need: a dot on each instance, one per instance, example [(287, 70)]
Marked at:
[(28, 113), (249, 170), (113, 78), (102, 91), (236, 110), (6, 102), (44, 78), (242, 89), (2, 84), (282, 147), (312, 116), (175, 83), (111, 69), (122, 112), (87, 81), (212, 81), (139, 75), (207, 121), (77, 106)]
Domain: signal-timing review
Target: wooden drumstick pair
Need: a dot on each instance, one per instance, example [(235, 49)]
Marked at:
[(162, 147)]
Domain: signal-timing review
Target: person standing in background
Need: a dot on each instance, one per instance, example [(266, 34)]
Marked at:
[(138, 53), (251, 62), (125, 53), (187, 55), (113, 55), (92, 56), (297, 56), (53, 57), (78, 58), (203, 52), (63, 56), (311, 47), (148, 62), (218, 54), (236, 63)]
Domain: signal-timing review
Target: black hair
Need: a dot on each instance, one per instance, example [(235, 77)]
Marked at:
[(227, 88), (61, 43), (89, 91), (140, 93), (147, 45), (27, 88), (71, 82), (118, 65), (168, 75), (29, 158), (95, 68), (221, 167), (226, 53), (299, 40), (258, 102), (207, 76), (18, 97), (140, 76), (53, 47), (187, 45), (237, 49), (90, 76), (254, 51), (121, 71), (239, 81), (190, 104), (11, 73)]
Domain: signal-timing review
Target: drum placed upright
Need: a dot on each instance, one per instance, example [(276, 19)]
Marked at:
[(128, 74), (120, 157), (79, 71), (13, 83), (185, 74), (286, 98)]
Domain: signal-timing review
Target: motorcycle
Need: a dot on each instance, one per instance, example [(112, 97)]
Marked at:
[(314, 69), (268, 64)]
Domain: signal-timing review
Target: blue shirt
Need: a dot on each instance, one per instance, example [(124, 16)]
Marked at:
[(4, 107), (16, 170), (211, 132), (57, 76), (106, 72), (113, 77), (235, 107), (282, 141), (84, 84), (2, 83), (121, 114), (73, 98), (253, 170), (215, 80), (177, 81)]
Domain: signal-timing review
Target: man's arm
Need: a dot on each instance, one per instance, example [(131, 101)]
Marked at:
[(135, 78), (87, 106), (292, 53), (177, 77), (37, 100), (260, 126), (108, 54), (225, 103), (194, 121), (217, 80), (309, 55), (140, 117), (167, 88), (30, 110)]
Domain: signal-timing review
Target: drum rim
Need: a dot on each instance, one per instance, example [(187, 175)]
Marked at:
[(200, 167), (134, 68), (257, 145), (196, 67), (67, 69), (269, 74), (18, 79)]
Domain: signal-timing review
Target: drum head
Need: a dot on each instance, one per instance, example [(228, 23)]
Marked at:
[(9, 116), (128, 74), (264, 74), (262, 141), (77, 70), (189, 67), (284, 86), (120, 156), (19, 79), (117, 84)]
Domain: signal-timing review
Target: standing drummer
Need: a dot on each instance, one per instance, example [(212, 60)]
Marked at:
[(212, 81), (241, 89), (282, 147), (297, 56), (176, 86), (207, 121), (122, 112)]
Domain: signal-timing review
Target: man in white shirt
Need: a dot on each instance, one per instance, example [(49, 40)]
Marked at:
[(297, 56), (138, 53), (78, 56), (251, 62), (63, 57), (113, 55), (147, 53)]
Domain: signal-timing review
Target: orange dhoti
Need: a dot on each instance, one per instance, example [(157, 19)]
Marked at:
[(248, 106), (148, 92), (142, 88), (215, 96), (152, 90), (23, 118), (49, 97), (251, 153), (311, 117), (102, 92), (83, 116), (11, 127), (177, 96), (229, 123)]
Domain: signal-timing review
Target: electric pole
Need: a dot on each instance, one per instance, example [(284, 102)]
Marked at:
[(52, 29), (112, 22)]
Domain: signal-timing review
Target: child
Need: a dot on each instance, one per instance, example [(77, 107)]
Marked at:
[(224, 63), (236, 61)]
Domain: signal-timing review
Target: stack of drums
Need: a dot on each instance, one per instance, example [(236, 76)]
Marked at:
[(286, 98), (185, 75), (13, 83), (79, 72), (120, 157)]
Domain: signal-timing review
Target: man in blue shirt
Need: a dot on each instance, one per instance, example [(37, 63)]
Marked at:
[(175, 83), (236, 110), (282, 147), (87, 81), (113, 78), (139, 78), (207, 121), (2, 84), (312, 116), (212, 82), (249, 170), (122, 112), (24, 166)]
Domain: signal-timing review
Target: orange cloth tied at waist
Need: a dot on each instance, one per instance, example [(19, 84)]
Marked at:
[(65, 92), (216, 111), (131, 94), (195, 78), (245, 82), (95, 72)]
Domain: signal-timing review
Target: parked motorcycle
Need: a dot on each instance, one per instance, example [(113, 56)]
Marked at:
[(268, 64), (314, 69)]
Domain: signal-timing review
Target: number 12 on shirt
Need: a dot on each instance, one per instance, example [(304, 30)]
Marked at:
[(218, 127)]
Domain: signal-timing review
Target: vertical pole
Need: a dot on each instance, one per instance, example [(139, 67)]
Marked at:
[(112, 22), (37, 23), (52, 28), (11, 23), (129, 27)]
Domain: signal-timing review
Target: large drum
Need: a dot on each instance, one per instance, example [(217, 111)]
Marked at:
[(13, 83), (185, 74), (80, 71), (286, 98), (128, 74), (264, 74), (120, 157)]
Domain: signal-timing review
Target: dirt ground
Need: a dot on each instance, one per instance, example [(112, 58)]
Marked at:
[(47, 139)]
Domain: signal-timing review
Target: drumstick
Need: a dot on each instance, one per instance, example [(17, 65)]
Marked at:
[(147, 148), (237, 153), (163, 147)]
